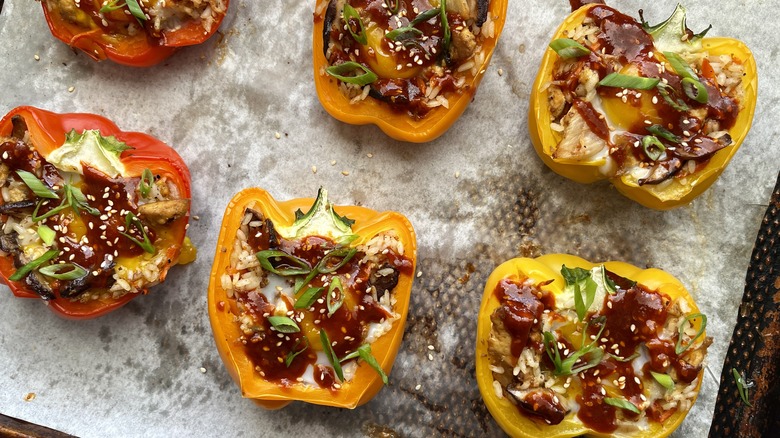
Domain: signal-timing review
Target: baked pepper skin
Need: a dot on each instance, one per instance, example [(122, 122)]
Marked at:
[(545, 268), (396, 124), (140, 50), (366, 383), (676, 194), (47, 132)]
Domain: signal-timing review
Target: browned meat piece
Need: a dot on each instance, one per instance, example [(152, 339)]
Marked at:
[(557, 102), (163, 212), (500, 348), (463, 45)]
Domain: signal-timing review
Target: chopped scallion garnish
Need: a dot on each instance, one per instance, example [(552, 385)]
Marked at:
[(46, 234), (653, 147), (146, 244), (622, 404), (345, 72), (29, 267), (579, 280), (335, 297), (39, 188), (283, 324), (564, 367), (608, 283), (568, 48), (351, 16), (136, 10), (660, 131), (332, 358), (618, 80), (50, 213), (695, 90), (146, 182), (680, 348), (664, 380), (445, 25), (308, 298), (294, 353), (365, 353), (64, 271), (290, 265), (666, 92), (742, 386)]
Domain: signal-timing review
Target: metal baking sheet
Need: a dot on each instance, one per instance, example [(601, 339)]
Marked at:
[(242, 111)]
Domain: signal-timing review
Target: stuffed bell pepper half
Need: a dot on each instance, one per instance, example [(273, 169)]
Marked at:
[(568, 348), (138, 33), (409, 67), (310, 306), (657, 110), (91, 216)]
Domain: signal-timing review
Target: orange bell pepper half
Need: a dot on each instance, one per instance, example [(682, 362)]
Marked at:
[(43, 134), (293, 298), (396, 119), (102, 30)]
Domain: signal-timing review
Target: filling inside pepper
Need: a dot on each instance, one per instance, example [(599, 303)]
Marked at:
[(128, 18), (607, 352), (77, 228), (310, 303), (649, 100), (412, 54)]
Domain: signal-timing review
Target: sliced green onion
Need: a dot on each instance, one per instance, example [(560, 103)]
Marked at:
[(653, 147), (664, 380), (332, 358), (425, 16), (136, 10), (445, 25), (61, 272), (348, 14), (77, 201), (680, 66), (37, 187), (293, 354), (742, 387), (341, 71), (365, 353), (46, 234), (308, 298), (695, 90), (403, 33), (568, 48), (608, 283), (297, 266), (29, 267), (346, 253), (666, 91), (50, 213), (625, 359), (111, 6), (565, 367), (335, 296), (145, 184), (283, 324), (578, 279), (660, 131), (132, 219), (622, 404), (618, 80), (679, 348), (393, 5)]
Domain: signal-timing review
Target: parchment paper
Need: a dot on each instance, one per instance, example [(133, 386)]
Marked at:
[(477, 196)]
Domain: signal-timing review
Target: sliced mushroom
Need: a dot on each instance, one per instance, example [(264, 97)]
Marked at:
[(19, 127), (163, 212), (383, 279), (556, 101), (36, 282), (16, 207), (541, 402), (330, 17), (662, 171), (10, 243), (702, 146)]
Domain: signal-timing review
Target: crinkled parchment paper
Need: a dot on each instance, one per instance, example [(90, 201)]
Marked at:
[(477, 196)]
